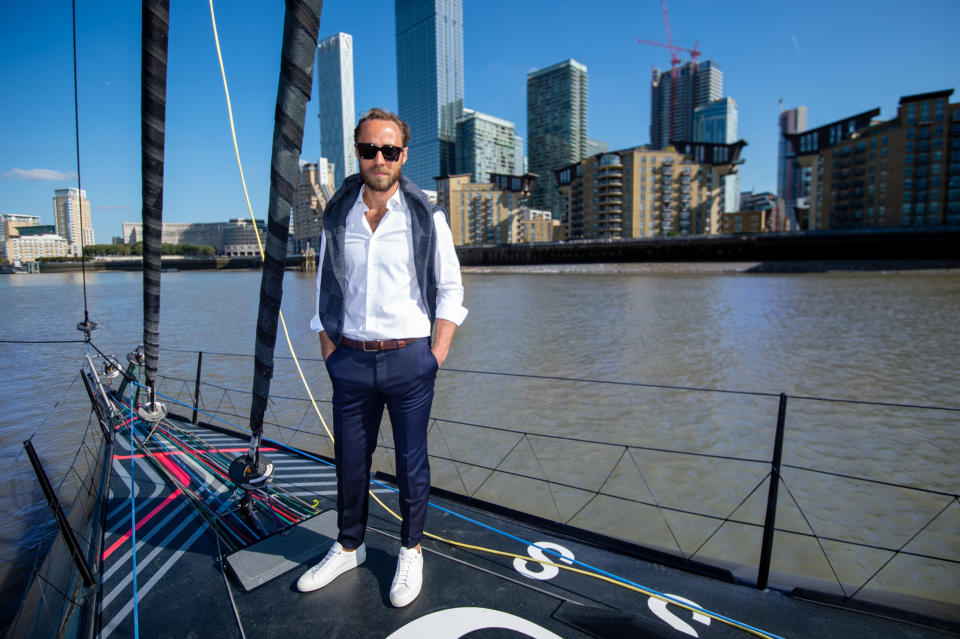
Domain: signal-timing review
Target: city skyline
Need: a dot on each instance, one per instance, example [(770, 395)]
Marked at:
[(767, 53)]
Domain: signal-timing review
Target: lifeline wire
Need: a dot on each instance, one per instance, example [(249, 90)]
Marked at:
[(598, 573), (617, 580)]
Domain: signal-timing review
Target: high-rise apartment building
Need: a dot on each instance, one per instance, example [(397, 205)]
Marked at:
[(556, 127), (868, 173), (716, 123), (9, 222), (24, 239), (29, 242), (695, 85), (494, 211), (430, 84), (643, 192), (793, 181), (485, 145), (336, 108), (315, 187), (71, 210)]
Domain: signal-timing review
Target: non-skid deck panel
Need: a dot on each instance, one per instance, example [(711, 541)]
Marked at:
[(176, 552), (301, 545)]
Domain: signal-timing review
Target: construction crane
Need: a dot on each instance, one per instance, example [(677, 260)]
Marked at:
[(674, 60)]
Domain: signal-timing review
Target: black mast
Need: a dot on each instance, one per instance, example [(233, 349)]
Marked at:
[(153, 99), (300, 29)]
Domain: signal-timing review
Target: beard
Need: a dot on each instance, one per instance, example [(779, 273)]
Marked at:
[(381, 183)]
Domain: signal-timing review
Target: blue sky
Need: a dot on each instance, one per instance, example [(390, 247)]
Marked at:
[(837, 58)]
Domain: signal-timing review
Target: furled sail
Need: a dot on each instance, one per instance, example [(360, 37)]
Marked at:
[(153, 99), (300, 30)]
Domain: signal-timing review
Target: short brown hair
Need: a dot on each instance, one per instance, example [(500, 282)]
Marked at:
[(382, 114)]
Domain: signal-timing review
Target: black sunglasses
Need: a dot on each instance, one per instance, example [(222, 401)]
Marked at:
[(369, 151)]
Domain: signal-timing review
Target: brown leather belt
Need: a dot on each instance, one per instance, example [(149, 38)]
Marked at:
[(379, 344)]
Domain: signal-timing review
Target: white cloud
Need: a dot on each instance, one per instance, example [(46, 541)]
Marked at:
[(796, 43), (47, 175)]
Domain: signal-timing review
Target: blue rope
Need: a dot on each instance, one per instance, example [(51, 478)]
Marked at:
[(133, 527)]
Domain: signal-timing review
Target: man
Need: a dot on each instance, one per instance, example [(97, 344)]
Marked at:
[(388, 273)]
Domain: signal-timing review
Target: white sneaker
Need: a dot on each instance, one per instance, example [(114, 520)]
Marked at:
[(337, 562), (409, 577)]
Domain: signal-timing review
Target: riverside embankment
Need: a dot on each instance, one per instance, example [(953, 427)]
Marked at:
[(927, 249)]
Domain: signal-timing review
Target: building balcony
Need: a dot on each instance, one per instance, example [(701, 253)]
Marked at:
[(611, 192)]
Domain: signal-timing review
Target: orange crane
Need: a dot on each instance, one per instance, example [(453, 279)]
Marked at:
[(674, 59)]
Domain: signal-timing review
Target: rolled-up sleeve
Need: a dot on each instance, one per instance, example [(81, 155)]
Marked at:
[(315, 324), (447, 270)]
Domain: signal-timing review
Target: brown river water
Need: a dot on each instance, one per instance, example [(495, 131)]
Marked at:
[(642, 362)]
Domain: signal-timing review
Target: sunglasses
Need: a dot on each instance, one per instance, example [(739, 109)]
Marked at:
[(369, 151)]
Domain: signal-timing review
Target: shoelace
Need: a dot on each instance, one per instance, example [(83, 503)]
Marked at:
[(403, 570), (327, 559)]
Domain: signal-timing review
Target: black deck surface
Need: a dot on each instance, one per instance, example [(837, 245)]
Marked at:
[(182, 590)]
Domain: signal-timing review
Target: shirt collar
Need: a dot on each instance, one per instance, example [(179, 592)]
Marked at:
[(395, 203)]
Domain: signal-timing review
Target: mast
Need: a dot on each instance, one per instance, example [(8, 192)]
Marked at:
[(300, 29), (153, 99)]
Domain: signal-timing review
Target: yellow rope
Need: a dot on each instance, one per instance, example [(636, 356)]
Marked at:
[(236, 150), (306, 385)]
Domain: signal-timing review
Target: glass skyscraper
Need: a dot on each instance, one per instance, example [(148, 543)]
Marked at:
[(430, 84), (793, 181), (556, 127), (336, 105), (486, 145), (716, 123)]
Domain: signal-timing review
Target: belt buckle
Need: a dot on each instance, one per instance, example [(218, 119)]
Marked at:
[(379, 347)]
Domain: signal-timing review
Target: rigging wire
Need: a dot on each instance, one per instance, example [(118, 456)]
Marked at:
[(86, 325)]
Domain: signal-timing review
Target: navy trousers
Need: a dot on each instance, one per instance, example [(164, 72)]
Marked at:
[(363, 383)]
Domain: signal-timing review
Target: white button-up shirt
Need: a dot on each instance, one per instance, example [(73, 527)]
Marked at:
[(381, 294)]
